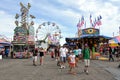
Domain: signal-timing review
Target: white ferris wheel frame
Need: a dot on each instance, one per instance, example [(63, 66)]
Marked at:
[(48, 29)]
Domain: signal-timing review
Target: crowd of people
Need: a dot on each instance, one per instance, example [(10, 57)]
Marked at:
[(64, 54), (38, 52), (113, 53)]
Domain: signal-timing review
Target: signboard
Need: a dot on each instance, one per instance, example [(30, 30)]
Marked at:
[(20, 34), (90, 31)]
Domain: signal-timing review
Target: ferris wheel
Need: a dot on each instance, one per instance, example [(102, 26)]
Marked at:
[(48, 32)]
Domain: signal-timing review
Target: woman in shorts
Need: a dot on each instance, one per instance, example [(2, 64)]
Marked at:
[(41, 54)]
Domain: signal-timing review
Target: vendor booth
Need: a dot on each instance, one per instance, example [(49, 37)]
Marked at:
[(92, 37), (4, 46)]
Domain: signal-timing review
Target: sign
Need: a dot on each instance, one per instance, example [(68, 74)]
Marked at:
[(90, 31)]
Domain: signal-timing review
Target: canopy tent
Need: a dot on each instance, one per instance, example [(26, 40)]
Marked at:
[(88, 36), (114, 41), (4, 42), (95, 36)]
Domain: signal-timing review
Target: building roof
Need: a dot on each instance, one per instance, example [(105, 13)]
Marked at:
[(89, 36)]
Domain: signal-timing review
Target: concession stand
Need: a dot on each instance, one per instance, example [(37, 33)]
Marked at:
[(90, 36)]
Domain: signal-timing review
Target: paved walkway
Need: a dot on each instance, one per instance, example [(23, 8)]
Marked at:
[(111, 67), (22, 69)]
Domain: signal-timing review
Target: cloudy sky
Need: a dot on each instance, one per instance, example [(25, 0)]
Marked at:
[(65, 13)]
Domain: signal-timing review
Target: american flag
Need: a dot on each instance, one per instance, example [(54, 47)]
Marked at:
[(80, 23), (90, 19), (99, 20)]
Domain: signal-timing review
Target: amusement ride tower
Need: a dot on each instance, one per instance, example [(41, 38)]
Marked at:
[(23, 39)]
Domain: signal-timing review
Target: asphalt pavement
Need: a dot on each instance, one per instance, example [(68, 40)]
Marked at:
[(22, 69)]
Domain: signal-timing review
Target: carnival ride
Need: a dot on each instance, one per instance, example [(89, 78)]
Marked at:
[(48, 33), (23, 39)]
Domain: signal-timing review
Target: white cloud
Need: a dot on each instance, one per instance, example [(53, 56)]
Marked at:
[(115, 0), (72, 3), (6, 24), (67, 14)]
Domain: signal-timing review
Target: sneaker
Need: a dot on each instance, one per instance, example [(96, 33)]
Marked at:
[(63, 66), (56, 59), (34, 64), (84, 70), (41, 63), (87, 72)]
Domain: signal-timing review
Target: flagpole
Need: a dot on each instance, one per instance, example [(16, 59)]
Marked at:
[(113, 34), (91, 20), (85, 24), (99, 30), (119, 30)]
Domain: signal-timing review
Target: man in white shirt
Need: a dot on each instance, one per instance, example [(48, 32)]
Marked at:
[(63, 52)]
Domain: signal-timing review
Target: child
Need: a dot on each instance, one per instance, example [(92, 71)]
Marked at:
[(72, 62)]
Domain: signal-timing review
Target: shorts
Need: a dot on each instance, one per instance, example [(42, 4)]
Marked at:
[(76, 56), (41, 54), (63, 59), (35, 58), (72, 65), (87, 62)]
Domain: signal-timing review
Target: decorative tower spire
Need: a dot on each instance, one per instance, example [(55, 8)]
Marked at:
[(24, 16)]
